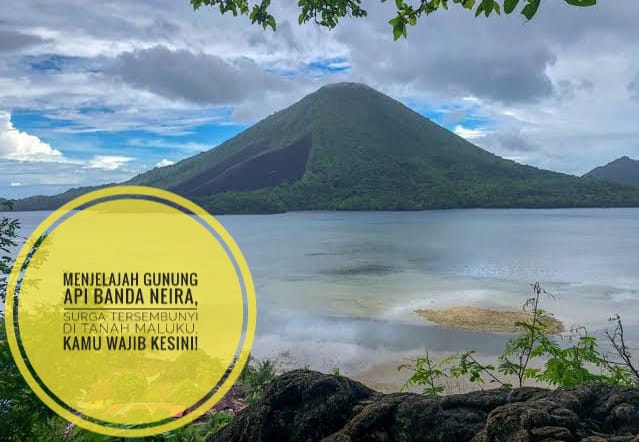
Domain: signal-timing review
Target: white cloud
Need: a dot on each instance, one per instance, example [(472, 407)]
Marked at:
[(468, 133), (18, 145), (181, 146), (30, 166), (108, 162), (164, 162), (42, 178)]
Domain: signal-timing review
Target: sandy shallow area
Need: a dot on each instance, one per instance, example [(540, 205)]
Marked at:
[(379, 367), (486, 320), (380, 370), (371, 351)]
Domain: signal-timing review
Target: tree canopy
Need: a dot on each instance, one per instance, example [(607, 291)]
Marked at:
[(328, 13)]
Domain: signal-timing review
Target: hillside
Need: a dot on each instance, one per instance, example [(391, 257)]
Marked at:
[(623, 170), (42, 202), (349, 147)]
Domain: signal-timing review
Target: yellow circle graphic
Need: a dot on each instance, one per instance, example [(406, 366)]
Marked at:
[(130, 311)]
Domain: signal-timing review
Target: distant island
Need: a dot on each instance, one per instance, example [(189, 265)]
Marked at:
[(623, 170), (349, 147)]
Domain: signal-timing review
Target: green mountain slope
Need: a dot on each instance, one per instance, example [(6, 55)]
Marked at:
[(364, 150), (622, 170), (349, 147)]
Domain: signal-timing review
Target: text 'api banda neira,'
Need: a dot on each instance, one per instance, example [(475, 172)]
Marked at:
[(129, 295)]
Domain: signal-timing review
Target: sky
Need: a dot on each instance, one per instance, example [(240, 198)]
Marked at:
[(97, 92)]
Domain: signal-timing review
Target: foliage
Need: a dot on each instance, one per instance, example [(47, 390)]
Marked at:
[(620, 362), (22, 415), (533, 342), (8, 240), (571, 366), (195, 432), (216, 422), (255, 377), (580, 362), (328, 13), (260, 201), (428, 373), (467, 365)]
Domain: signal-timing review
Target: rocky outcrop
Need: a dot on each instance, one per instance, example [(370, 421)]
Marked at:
[(304, 405)]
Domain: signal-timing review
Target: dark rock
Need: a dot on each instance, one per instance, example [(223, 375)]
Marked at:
[(300, 405), (304, 405)]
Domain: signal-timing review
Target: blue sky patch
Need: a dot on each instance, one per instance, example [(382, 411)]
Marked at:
[(146, 147)]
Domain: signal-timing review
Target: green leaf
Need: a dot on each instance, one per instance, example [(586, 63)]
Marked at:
[(399, 27), (530, 9), (397, 32), (581, 2), (510, 5), (271, 22), (486, 6)]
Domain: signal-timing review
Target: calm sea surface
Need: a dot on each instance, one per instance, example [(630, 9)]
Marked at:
[(341, 288)]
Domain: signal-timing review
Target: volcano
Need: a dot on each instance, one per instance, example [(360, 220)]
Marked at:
[(349, 147)]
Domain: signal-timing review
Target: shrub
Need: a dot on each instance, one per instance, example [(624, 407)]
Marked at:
[(255, 377), (581, 362)]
